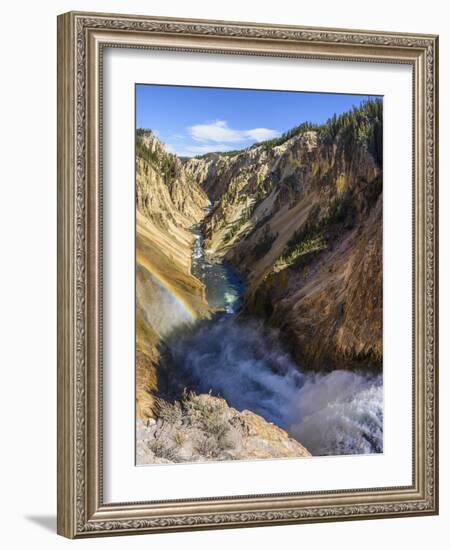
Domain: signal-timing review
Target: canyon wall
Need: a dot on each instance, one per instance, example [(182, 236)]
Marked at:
[(168, 203), (301, 218), (173, 426)]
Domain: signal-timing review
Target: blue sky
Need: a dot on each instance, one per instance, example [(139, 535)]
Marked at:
[(194, 121)]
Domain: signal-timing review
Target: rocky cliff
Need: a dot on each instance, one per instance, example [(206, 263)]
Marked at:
[(202, 427), (301, 217), (173, 424), (168, 203)]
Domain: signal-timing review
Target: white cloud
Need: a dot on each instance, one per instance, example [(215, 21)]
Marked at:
[(194, 150), (219, 131), (260, 134)]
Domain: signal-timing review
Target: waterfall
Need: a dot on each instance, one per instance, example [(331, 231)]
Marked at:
[(242, 360), (340, 412)]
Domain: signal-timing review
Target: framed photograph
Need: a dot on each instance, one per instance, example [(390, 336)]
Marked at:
[(247, 288)]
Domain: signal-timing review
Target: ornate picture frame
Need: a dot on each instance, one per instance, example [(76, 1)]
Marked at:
[(82, 38)]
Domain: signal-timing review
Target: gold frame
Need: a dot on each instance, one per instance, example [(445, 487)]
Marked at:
[(81, 39)]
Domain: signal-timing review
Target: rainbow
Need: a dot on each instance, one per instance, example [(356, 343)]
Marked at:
[(170, 287)]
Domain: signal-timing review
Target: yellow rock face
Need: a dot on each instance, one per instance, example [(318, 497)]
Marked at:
[(303, 222), (167, 295)]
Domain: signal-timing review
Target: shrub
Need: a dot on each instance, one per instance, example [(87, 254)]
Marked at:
[(163, 449), (214, 422), (207, 446), (337, 211), (189, 402), (179, 437), (304, 247), (210, 415), (169, 412), (237, 225)]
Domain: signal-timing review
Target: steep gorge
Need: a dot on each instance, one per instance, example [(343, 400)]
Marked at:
[(301, 218), (168, 203), (172, 425)]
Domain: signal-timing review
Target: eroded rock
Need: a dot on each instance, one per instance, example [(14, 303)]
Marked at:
[(201, 428)]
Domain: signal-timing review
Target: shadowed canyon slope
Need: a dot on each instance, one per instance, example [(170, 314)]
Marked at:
[(301, 218)]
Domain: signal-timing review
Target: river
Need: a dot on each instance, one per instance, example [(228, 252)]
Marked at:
[(242, 360), (224, 287)]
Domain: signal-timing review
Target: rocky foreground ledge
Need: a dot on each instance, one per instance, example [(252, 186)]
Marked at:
[(202, 427)]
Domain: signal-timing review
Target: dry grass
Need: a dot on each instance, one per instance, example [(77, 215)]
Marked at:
[(207, 446), (162, 449), (169, 412)]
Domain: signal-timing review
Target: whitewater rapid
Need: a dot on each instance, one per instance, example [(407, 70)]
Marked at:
[(240, 359), (339, 412)]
